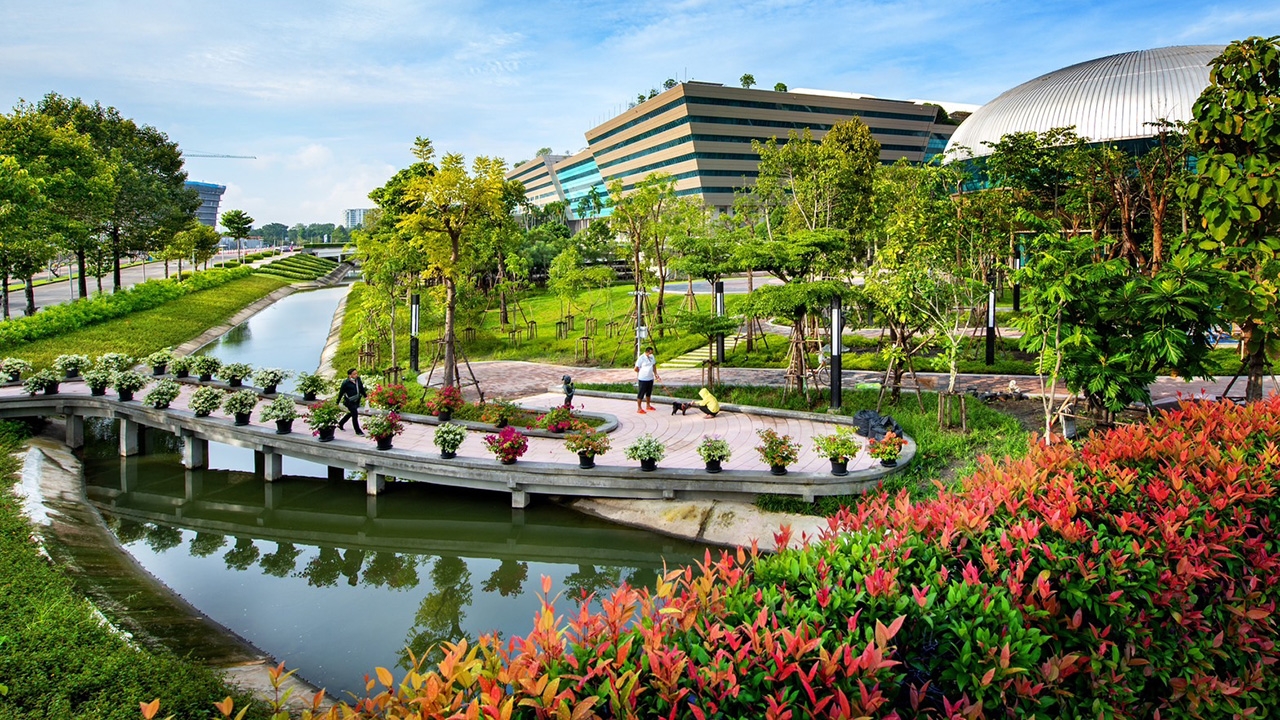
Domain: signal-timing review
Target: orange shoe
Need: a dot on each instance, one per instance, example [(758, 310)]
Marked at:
[(640, 411), (650, 407)]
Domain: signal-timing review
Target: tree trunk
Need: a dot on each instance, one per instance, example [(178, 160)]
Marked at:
[(240, 253), (504, 317), (166, 269), (29, 291), (80, 263), (393, 331), (450, 360), (4, 297), (1255, 362), (751, 323), (115, 259)]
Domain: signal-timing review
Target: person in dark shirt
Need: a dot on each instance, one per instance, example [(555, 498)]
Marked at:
[(350, 395)]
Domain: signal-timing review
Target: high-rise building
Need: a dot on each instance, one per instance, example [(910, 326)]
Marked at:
[(701, 133), (354, 217), (210, 197)]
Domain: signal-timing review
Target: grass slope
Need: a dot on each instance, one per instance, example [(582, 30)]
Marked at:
[(142, 333), (56, 658)]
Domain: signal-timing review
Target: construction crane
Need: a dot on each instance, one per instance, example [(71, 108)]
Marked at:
[(217, 155)]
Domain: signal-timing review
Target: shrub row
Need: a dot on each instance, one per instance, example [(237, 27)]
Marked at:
[(299, 267), (1134, 577), (58, 319)]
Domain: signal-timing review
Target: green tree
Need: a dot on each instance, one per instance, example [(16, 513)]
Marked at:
[(238, 224), (669, 83), (1237, 188), (642, 216), (779, 87), (747, 80), (274, 233)]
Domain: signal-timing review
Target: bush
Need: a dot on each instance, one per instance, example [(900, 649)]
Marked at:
[(165, 392), (1133, 577), (713, 448), (71, 363), (312, 383), (645, 447), (282, 408), (205, 400), (240, 403), (449, 437)]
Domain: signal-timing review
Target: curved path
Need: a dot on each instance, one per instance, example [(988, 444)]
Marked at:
[(547, 468)]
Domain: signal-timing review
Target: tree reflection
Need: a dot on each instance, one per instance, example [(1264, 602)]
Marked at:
[(588, 580), (128, 531), (508, 579), (393, 570), (323, 569), (163, 537), (205, 544), (440, 615), (280, 563), (243, 555), (351, 565)]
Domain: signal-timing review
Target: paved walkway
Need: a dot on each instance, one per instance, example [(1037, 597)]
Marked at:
[(681, 433)]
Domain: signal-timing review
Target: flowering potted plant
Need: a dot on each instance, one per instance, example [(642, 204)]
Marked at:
[(446, 402), (311, 385), (114, 362), (126, 383), (269, 378), (235, 373), (205, 400), (71, 365), (389, 397), (382, 427), (507, 445), (180, 366), (588, 444), (13, 368), (499, 413), (777, 451), (241, 404), (44, 380), (648, 450), (714, 450), (322, 417), (283, 411), (449, 438), (205, 366), (165, 392), (887, 450), (838, 447), (159, 359), (98, 381), (556, 420)]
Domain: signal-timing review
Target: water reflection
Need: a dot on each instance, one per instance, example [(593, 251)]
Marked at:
[(334, 582)]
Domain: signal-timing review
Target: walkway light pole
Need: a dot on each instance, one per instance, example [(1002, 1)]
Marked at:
[(413, 331), (642, 332), (837, 347), (991, 317), (719, 306)]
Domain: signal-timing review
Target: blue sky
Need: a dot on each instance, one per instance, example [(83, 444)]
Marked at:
[(329, 95)]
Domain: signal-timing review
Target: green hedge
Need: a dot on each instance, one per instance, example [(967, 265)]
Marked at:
[(58, 319)]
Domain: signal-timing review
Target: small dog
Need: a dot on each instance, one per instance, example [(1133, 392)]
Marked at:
[(681, 407)]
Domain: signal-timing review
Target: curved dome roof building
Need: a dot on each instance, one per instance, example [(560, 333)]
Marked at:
[(1108, 99)]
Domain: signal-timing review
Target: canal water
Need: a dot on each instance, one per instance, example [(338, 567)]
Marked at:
[(329, 580)]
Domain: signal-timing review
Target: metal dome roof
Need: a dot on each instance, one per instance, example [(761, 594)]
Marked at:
[(1111, 98)]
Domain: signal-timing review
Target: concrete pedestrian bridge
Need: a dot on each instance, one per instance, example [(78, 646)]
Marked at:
[(547, 468)]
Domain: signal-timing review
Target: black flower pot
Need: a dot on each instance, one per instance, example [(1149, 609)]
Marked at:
[(51, 389), (448, 454), (242, 418), (509, 461), (384, 443), (71, 374), (206, 377), (158, 369), (15, 377), (889, 463), (839, 468), (235, 382), (502, 422), (648, 465), (777, 469), (201, 413), (586, 461), (309, 396), (181, 374), (326, 434), (269, 390), (713, 466), (97, 392), (162, 406), (445, 415), (284, 427), (126, 395)]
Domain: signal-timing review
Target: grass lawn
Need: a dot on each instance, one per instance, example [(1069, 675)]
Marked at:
[(943, 456), (57, 659), (864, 354), (142, 333), (491, 342)]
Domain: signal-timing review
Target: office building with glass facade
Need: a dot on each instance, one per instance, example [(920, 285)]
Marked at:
[(701, 133), (210, 197)]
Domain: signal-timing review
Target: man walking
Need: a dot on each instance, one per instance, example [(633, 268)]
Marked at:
[(646, 375), (350, 394)]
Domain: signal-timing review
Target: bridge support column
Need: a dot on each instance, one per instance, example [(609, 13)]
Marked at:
[(75, 431), (519, 499), (374, 482), (193, 484), (273, 496), (336, 474), (272, 465), (259, 462), (130, 437), (195, 452), (128, 474), (371, 507)]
